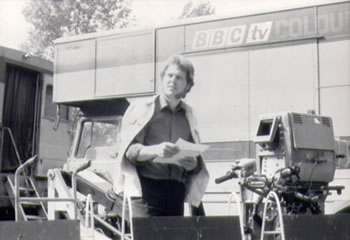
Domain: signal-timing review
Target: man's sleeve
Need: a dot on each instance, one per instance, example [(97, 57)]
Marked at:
[(132, 153)]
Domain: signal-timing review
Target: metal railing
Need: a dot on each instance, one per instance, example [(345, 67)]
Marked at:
[(19, 199), (13, 142)]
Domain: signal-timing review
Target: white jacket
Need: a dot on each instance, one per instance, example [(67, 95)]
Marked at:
[(126, 179)]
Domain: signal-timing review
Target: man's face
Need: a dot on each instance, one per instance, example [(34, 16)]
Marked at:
[(174, 82)]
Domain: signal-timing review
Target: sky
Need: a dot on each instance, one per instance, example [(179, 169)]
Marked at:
[(14, 28)]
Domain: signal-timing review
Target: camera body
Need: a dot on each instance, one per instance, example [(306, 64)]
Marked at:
[(295, 139)]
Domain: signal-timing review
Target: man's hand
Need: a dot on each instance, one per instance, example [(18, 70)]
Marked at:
[(188, 163), (165, 149)]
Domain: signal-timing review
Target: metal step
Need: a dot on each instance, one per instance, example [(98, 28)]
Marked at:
[(11, 182), (30, 210), (272, 232), (30, 204), (35, 217), (24, 189)]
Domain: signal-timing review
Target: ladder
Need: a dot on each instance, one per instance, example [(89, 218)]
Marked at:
[(272, 198), (23, 191), (60, 182)]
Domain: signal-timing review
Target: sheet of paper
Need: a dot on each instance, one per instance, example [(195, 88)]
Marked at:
[(187, 149)]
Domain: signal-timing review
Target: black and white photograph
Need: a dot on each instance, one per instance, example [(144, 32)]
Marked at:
[(174, 119)]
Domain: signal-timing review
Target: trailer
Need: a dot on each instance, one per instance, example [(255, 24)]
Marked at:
[(28, 113), (292, 60), (246, 66), (27, 120)]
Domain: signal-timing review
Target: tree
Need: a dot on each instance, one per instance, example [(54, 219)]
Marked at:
[(52, 19), (200, 8)]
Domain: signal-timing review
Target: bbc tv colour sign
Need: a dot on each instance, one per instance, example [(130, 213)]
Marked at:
[(328, 21)]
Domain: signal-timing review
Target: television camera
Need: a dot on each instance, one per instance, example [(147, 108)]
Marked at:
[(295, 161)]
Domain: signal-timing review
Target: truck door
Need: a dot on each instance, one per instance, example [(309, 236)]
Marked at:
[(21, 115)]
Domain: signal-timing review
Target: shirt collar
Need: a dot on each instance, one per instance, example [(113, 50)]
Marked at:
[(164, 104)]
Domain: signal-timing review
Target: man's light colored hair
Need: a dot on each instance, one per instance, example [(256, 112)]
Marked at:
[(185, 65)]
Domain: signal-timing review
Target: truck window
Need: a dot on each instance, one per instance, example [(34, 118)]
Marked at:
[(98, 134)]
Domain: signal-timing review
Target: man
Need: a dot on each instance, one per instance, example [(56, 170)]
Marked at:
[(149, 131)]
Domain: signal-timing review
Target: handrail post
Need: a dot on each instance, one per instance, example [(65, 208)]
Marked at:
[(13, 142), (17, 191), (1, 146), (74, 185)]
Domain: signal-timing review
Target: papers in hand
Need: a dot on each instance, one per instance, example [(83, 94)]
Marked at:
[(187, 149)]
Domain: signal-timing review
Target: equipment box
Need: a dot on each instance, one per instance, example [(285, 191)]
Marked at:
[(95, 66)]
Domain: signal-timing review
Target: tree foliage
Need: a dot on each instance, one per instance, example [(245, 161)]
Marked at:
[(197, 9), (52, 19)]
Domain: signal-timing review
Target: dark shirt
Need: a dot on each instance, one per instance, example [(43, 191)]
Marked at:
[(165, 126)]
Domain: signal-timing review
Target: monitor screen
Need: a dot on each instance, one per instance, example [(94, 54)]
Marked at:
[(266, 130)]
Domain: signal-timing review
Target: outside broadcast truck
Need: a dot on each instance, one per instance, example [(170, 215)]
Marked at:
[(27, 131), (293, 60)]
